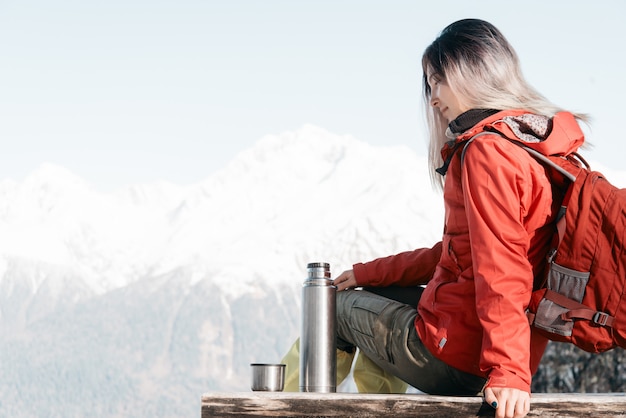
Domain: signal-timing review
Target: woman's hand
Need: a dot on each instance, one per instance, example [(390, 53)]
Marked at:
[(508, 402), (345, 280)]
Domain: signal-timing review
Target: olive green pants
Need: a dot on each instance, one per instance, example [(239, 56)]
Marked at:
[(384, 330)]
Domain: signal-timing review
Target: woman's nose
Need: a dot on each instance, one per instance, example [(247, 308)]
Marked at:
[(434, 100)]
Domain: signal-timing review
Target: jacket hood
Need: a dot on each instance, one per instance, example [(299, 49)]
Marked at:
[(559, 135)]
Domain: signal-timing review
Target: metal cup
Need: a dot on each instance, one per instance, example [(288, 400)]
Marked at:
[(268, 377)]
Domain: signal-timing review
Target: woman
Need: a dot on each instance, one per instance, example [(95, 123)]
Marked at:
[(469, 334)]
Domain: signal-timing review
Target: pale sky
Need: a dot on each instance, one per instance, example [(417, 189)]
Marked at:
[(136, 91)]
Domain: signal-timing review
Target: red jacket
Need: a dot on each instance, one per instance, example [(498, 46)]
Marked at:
[(480, 276)]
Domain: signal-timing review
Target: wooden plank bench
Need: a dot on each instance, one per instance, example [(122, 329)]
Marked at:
[(345, 405)]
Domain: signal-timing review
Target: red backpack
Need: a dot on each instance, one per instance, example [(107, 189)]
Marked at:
[(582, 298)]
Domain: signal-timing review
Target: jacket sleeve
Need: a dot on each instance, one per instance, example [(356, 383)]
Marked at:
[(497, 199), (410, 268)]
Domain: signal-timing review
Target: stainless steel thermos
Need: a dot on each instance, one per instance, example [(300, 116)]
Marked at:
[(318, 356)]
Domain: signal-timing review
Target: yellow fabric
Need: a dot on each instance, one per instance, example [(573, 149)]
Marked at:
[(368, 377), (292, 371)]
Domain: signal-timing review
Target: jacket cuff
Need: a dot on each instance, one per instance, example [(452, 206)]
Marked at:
[(499, 378), (360, 274)]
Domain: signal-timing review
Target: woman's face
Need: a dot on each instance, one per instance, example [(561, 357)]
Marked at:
[(443, 99)]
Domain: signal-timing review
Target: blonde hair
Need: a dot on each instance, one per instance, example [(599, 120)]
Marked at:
[(483, 71)]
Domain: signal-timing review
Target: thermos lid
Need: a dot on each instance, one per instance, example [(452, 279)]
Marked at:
[(319, 274), (325, 266)]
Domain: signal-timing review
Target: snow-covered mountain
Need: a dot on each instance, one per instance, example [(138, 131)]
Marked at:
[(135, 303)]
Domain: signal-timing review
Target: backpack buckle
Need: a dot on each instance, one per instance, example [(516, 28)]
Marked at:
[(600, 318)]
